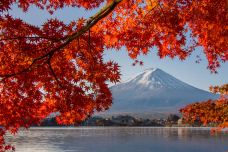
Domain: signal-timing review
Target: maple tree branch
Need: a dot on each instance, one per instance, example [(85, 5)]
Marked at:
[(93, 20), (6, 76), (149, 11), (90, 23), (90, 50), (52, 70), (105, 10)]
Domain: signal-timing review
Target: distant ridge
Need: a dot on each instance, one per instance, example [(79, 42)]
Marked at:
[(154, 91)]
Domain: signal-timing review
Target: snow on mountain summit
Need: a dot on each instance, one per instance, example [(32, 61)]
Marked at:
[(155, 89), (156, 78), (153, 78)]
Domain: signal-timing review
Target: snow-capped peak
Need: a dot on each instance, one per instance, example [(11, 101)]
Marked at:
[(153, 89), (155, 78), (146, 76)]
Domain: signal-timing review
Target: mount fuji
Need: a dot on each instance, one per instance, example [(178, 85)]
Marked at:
[(154, 91)]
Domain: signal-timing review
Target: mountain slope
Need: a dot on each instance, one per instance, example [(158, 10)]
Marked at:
[(154, 90)]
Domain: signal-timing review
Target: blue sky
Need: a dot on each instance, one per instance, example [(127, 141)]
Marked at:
[(188, 71)]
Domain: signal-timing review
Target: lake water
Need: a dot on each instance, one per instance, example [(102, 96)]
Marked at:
[(119, 139)]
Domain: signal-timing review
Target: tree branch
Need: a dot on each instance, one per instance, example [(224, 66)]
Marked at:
[(52, 71), (90, 23)]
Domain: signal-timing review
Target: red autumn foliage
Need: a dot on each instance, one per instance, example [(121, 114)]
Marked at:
[(211, 111), (59, 67)]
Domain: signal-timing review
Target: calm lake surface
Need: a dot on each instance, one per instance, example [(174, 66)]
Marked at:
[(119, 139)]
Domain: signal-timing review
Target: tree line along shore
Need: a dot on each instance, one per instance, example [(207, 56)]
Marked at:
[(172, 120)]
